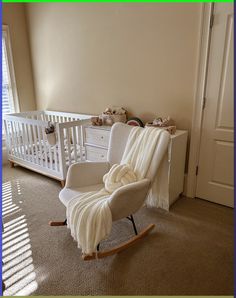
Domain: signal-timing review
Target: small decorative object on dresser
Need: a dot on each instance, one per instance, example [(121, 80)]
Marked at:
[(166, 123), (113, 114), (169, 181), (96, 121), (134, 121)]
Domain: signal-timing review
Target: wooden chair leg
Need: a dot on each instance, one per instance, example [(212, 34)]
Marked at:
[(63, 183), (11, 164), (57, 223)]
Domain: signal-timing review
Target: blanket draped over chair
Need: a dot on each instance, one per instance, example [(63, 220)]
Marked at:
[(88, 215)]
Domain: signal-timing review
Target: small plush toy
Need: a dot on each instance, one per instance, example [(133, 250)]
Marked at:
[(96, 121), (51, 134), (50, 128), (166, 123), (113, 114)]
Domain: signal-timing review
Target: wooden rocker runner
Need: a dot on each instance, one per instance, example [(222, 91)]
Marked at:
[(125, 201)]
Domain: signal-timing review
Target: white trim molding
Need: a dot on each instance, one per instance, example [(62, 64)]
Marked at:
[(207, 9)]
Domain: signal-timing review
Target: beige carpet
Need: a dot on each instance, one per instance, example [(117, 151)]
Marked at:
[(190, 252)]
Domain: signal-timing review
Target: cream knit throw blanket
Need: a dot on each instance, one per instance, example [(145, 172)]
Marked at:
[(88, 215)]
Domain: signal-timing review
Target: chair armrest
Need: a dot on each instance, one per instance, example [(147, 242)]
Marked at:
[(86, 173), (128, 199)]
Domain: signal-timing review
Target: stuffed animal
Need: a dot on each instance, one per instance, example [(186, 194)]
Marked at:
[(96, 121), (51, 134), (166, 123), (113, 114)]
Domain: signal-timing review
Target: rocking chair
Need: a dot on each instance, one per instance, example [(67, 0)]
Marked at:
[(125, 201)]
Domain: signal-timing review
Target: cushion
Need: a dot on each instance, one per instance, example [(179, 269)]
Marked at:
[(68, 194)]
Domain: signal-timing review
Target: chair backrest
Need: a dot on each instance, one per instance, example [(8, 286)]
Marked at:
[(118, 139)]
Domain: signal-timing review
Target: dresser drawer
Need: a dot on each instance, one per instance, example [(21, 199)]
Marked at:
[(95, 153), (97, 137)]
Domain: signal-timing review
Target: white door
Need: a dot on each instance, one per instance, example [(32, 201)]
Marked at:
[(215, 180)]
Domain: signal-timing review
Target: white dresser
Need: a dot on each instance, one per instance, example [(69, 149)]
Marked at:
[(96, 140), (169, 182)]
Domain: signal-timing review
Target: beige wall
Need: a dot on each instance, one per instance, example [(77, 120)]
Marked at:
[(140, 56), (14, 17)]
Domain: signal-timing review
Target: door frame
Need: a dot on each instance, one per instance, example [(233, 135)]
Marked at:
[(200, 88)]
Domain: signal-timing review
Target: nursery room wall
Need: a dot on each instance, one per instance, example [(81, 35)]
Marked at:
[(140, 56), (14, 16)]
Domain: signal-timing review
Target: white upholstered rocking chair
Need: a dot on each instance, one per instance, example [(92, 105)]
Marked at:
[(125, 201)]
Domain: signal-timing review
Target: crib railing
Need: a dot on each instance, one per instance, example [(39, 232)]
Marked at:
[(70, 140), (27, 142), (22, 135)]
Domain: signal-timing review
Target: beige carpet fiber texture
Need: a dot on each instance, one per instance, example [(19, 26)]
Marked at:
[(190, 251)]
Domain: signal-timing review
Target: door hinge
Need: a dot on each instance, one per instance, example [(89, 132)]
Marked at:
[(212, 21), (204, 102), (196, 170)]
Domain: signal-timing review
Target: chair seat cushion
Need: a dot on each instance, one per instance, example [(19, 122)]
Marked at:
[(67, 194)]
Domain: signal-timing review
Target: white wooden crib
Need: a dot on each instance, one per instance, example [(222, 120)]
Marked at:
[(27, 143)]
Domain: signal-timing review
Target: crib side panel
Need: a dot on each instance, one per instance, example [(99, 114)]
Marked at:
[(70, 139), (27, 145), (27, 142)]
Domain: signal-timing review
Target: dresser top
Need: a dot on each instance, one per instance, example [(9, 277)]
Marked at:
[(107, 127)]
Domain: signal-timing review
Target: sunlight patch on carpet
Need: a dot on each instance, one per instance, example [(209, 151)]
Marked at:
[(18, 272)]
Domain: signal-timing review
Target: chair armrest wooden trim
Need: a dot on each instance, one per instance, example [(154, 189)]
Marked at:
[(86, 173)]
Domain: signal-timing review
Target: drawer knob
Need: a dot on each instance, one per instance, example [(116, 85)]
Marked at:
[(102, 156), (101, 137)]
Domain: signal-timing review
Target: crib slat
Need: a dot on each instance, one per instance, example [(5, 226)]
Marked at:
[(35, 144), (78, 141), (45, 154), (13, 140), (50, 156), (80, 135), (40, 146), (50, 148), (55, 153), (68, 144), (19, 138), (23, 141), (74, 143), (16, 139), (31, 143), (56, 165)]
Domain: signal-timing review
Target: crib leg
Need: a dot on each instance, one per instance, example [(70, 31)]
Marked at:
[(63, 183), (11, 164)]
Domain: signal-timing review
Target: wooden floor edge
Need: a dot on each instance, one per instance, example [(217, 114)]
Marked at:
[(120, 247)]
